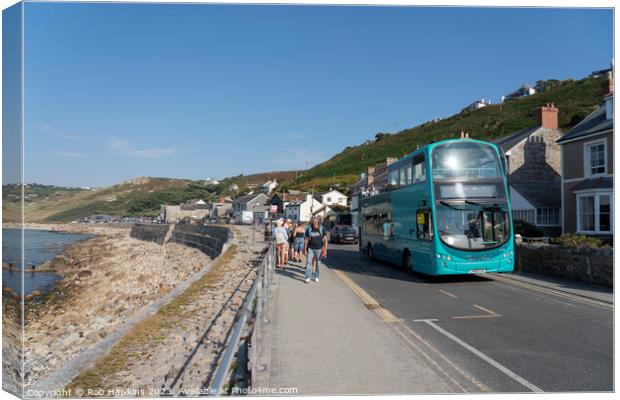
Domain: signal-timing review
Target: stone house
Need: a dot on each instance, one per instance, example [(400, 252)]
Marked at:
[(193, 209), (588, 171), (250, 202), (534, 168)]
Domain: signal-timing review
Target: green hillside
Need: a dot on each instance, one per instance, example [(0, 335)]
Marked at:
[(575, 99), (140, 196), (136, 197)]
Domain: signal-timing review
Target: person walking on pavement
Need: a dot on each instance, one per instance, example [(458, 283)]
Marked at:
[(298, 246), (281, 235), (315, 248)]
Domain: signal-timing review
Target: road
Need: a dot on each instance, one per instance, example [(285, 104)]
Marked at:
[(482, 334)]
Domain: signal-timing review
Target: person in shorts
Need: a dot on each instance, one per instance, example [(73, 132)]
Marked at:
[(299, 234), (281, 236)]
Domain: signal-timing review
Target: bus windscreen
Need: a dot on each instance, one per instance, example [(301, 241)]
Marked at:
[(465, 160)]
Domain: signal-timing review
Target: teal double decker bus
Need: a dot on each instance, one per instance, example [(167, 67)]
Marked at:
[(444, 211)]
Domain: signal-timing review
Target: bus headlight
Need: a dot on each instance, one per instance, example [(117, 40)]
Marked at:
[(508, 254), (444, 257)]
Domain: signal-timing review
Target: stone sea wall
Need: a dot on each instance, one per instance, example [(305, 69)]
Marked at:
[(206, 238), (150, 233), (593, 266)]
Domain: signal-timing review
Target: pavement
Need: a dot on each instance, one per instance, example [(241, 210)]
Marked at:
[(369, 327), (593, 292), (324, 340)]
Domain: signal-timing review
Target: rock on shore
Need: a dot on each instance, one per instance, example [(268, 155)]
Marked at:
[(105, 280)]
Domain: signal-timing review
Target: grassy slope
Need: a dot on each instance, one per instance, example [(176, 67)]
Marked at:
[(141, 197), (575, 99), (116, 200)]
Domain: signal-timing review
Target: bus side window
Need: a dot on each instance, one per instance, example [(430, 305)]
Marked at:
[(424, 225), (393, 178), (409, 172), (419, 169)]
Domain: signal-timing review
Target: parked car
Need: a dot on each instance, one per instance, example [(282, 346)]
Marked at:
[(343, 234)]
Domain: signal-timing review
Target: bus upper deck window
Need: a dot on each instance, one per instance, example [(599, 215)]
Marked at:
[(419, 170)]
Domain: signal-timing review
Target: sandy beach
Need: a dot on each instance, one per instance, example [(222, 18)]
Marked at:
[(104, 280)]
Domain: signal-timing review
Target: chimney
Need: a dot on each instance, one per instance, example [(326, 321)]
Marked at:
[(608, 85), (370, 177), (549, 116)]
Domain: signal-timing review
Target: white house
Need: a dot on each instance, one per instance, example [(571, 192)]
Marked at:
[(268, 186), (334, 198), (477, 105), (302, 211)]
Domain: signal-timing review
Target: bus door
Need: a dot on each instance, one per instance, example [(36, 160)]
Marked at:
[(423, 245)]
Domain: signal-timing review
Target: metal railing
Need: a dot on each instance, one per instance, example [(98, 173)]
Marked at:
[(245, 341)]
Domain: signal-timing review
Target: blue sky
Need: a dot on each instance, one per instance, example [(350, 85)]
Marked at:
[(114, 91)]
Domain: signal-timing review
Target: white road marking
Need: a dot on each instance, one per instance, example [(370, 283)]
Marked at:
[(486, 358), (448, 293)]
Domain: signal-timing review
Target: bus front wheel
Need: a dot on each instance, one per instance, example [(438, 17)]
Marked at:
[(407, 261), (369, 252)]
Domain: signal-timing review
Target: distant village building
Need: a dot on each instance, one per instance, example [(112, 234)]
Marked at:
[(244, 206), (193, 209), (534, 172), (303, 211), (588, 171), (220, 209), (524, 91), (281, 200), (603, 72), (333, 198), (477, 105), (268, 186)]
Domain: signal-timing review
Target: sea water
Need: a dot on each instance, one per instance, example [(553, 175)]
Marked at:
[(39, 246)]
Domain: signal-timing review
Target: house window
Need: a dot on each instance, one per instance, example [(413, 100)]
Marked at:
[(329, 199), (595, 213), (523, 215), (595, 158), (548, 216), (586, 213)]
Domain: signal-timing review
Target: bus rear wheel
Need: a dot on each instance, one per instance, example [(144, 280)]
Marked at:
[(407, 261), (369, 252)]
